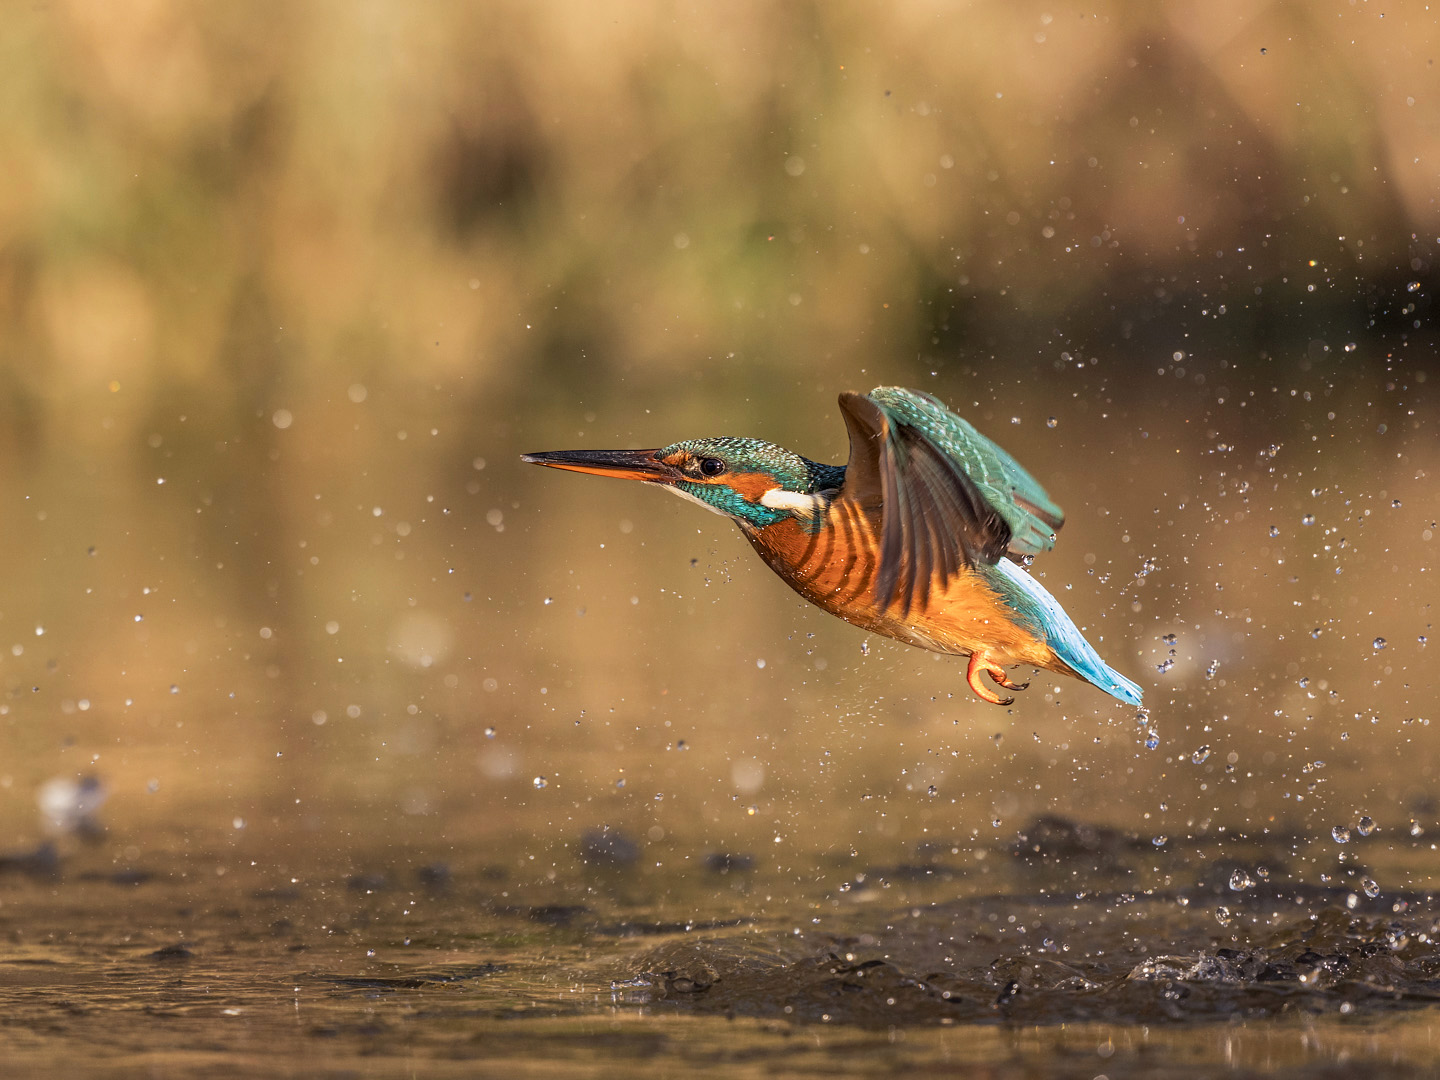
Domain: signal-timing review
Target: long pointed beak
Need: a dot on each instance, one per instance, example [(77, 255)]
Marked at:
[(625, 464)]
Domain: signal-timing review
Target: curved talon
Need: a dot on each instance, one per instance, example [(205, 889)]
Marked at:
[(1004, 680), (980, 663)]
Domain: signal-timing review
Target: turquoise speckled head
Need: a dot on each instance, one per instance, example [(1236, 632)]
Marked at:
[(732, 476), (757, 483)]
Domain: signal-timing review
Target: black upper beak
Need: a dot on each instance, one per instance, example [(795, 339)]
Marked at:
[(625, 464)]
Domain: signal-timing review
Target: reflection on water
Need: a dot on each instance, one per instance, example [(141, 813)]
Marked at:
[(358, 749), (1056, 951), (337, 746)]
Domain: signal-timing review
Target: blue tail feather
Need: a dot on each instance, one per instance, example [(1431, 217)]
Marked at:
[(1028, 597)]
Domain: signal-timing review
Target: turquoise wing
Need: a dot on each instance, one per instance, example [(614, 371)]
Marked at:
[(1032, 516), (949, 497)]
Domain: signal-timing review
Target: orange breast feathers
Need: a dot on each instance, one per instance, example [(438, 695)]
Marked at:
[(834, 568)]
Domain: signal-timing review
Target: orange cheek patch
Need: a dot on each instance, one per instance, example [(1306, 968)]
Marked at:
[(750, 485)]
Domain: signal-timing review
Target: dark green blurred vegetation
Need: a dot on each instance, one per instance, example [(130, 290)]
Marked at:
[(285, 290)]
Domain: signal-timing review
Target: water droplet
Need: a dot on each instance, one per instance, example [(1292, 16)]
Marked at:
[(1308, 519), (489, 732), (1212, 669), (864, 648), (1274, 530), (1168, 639), (1416, 829), (1152, 739), (540, 782), (1371, 887), (995, 824), (1341, 834), (1200, 756), (1365, 826), (1414, 286), (1316, 632), (1379, 643), (931, 791), (1240, 880), (1014, 420), (1160, 841), (1350, 346), (1395, 503), (760, 664), (1421, 639), (1051, 422), (1223, 916), (549, 600)]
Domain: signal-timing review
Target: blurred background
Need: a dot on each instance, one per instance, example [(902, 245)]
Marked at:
[(286, 289)]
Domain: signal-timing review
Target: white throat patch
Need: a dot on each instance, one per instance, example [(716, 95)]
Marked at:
[(806, 506)]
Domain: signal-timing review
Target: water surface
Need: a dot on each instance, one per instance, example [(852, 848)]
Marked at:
[(1066, 950)]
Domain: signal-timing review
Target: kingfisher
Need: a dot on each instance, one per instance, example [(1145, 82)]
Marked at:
[(924, 535)]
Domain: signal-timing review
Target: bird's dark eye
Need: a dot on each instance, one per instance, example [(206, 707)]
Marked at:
[(712, 466)]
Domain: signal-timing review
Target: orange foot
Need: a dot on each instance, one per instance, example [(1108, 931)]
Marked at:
[(981, 663)]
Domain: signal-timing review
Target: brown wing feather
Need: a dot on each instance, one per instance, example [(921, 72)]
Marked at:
[(934, 519)]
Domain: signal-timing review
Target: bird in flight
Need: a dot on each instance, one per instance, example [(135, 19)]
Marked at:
[(920, 536)]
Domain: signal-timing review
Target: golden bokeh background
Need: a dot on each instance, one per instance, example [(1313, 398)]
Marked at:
[(286, 289)]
